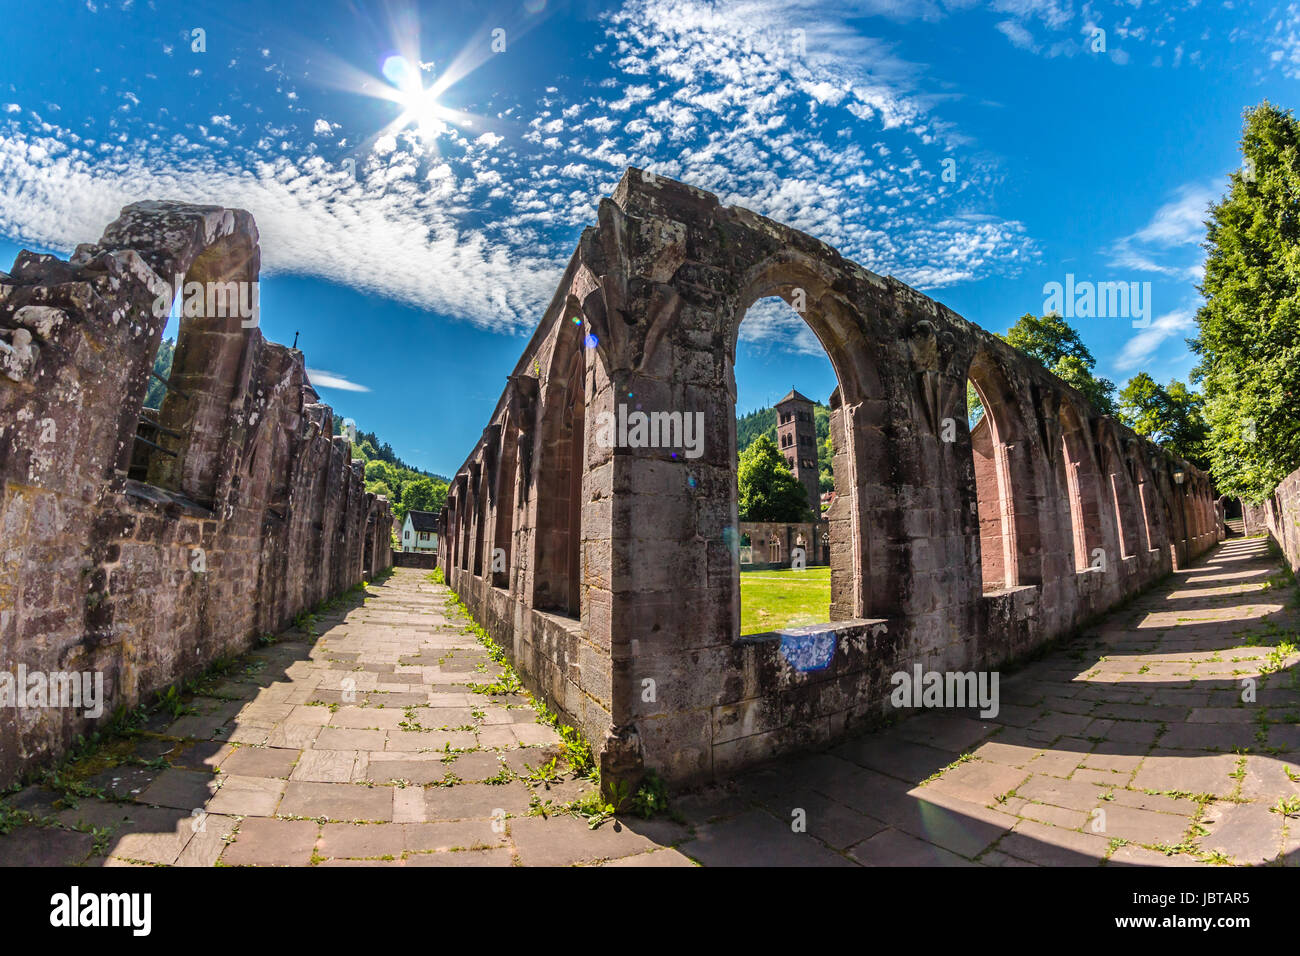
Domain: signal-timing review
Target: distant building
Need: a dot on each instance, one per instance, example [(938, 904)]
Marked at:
[(420, 531), (796, 436)]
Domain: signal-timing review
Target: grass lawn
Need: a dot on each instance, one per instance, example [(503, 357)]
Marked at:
[(771, 600)]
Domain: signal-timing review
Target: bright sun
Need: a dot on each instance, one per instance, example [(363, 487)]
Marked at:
[(420, 107)]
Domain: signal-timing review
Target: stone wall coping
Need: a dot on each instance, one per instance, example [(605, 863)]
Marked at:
[(847, 628), (1003, 593)]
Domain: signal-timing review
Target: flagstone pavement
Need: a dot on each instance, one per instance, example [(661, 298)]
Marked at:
[(1131, 745)]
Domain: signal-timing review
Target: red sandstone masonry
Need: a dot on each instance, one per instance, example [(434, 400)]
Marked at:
[(620, 599), (97, 569), (1282, 518)]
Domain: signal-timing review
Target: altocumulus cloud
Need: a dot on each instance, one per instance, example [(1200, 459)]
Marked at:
[(382, 231)]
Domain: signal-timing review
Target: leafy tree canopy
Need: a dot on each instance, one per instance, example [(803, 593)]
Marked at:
[(1248, 335), (769, 490), (1171, 416), (1058, 348)]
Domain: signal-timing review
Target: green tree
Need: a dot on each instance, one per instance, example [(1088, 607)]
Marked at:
[(1170, 416), (1049, 339), (1248, 336), (1058, 348), (769, 490), (423, 494), (1072, 370), (162, 367)]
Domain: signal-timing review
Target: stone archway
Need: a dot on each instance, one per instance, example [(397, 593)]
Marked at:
[(646, 320)]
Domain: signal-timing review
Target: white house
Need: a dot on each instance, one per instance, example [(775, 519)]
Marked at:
[(420, 531)]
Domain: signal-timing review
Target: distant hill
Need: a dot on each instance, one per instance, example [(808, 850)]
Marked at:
[(749, 427), (371, 449)]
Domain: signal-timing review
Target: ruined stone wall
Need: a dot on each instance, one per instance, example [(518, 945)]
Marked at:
[(122, 559), (1282, 518), (617, 582), (1254, 517), (761, 533)]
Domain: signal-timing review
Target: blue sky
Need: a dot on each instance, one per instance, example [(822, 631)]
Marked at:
[(414, 238)]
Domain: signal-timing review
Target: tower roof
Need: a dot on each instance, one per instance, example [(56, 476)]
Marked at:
[(795, 396)]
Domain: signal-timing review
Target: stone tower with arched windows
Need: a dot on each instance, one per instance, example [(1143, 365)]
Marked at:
[(796, 435)]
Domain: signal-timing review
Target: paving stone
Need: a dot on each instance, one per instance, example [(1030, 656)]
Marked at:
[(1139, 826), (496, 857), (1053, 846), (890, 754), (1131, 855), (1248, 833), (260, 762), (337, 801), (1188, 774), (432, 740), (476, 800), (343, 840), (1071, 794), (655, 858), (1056, 763), (39, 846), (330, 766), (833, 823), (977, 781), (476, 766), (755, 838), (1148, 801), (945, 731), (1267, 778), (895, 848), (341, 738), (1056, 816), (180, 789), (459, 834), (123, 782), (209, 840), (146, 834), (247, 796), (427, 769), (262, 842)]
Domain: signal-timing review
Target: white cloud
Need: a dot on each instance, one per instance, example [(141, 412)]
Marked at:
[(377, 233), (1138, 350), (1019, 36), (1175, 230), (321, 379)]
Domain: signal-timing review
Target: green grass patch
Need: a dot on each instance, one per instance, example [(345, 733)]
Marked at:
[(784, 598)]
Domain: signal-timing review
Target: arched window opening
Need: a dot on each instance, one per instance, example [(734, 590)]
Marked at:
[(992, 499), (503, 533), (1006, 488), (1082, 487), (182, 428), (557, 581), (786, 480), (480, 516)]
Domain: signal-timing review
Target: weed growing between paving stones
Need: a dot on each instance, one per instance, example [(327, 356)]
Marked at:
[(113, 745), (650, 797)]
